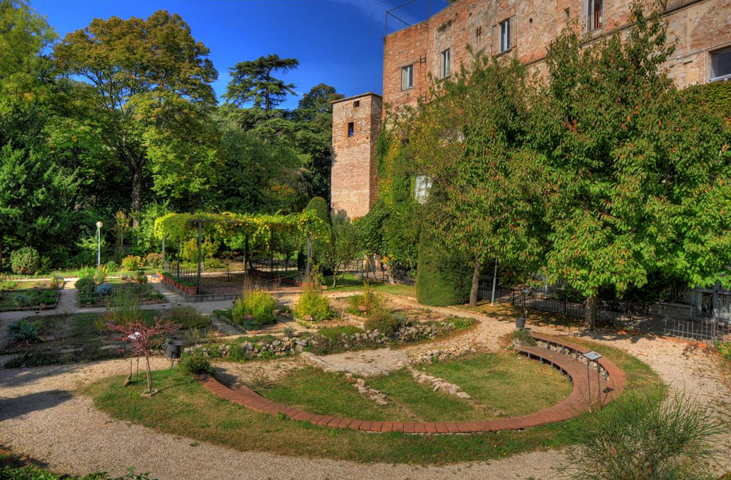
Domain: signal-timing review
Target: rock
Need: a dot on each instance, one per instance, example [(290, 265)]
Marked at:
[(380, 402)]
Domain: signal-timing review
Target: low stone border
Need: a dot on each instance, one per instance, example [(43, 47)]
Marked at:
[(575, 404)]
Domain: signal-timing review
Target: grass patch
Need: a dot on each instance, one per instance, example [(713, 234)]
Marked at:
[(353, 283), (334, 332), (184, 408), (312, 390)]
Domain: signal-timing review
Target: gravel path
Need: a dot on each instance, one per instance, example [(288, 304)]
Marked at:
[(40, 415)]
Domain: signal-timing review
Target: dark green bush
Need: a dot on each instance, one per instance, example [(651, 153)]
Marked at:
[(85, 286), (384, 322), (443, 278), (25, 261), (258, 305), (196, 364)]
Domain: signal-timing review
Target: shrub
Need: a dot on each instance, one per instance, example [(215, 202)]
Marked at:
[(111, 266), (188, 317), (21, 300), (257, 304), (25, 261), (131, 263), (442, 278), (104, 290), (384, 322), (647, 437), (56, 280), (46, 298), (196, 364), (522, 337), (100, 275), (153, 260), (85, 286), (23, 331), (366, 303), (724, 349), (141, 278), (312, 305)]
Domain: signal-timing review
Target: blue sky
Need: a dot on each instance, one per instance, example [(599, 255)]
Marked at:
[(338, 42)]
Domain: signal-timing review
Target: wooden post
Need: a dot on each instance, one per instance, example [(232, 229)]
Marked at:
[(309, 258), (494, 281), (200, 236)]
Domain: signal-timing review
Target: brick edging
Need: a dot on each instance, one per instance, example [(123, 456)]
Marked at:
[(572, 406)]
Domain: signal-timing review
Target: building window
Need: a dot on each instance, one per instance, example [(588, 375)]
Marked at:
[(444, 66), (421, 188), (407, 77), (721, 65), (594, 15), (505, 40), (356, 104), (351, 129)]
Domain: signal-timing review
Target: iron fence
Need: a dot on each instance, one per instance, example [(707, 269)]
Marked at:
[(702, 330)]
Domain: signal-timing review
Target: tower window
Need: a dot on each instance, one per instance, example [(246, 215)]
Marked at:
[(721, 65), (422, 185), (594, 15), (356, 104), (444, 67), (505, 36), (407, 77), (351, 129)]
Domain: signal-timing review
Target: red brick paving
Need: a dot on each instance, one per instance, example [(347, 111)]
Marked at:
[(575, 404)]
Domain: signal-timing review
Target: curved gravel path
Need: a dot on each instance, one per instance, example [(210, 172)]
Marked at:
[(41, 415)]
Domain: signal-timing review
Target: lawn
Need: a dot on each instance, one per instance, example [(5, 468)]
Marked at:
[(184, 408), (353, 283)]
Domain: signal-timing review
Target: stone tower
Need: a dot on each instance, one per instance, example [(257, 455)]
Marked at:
[(356, 126)]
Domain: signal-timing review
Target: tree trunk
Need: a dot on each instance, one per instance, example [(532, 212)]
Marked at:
[(475, 283), (136, 197), (590, 313), (335, 277), (149, 375)]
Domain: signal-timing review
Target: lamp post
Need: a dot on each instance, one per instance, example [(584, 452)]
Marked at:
[(99, 226), (593, 357)]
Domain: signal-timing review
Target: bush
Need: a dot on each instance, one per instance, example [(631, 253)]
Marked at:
[(21, 300), (131, 263), (46, 298), (188, 317), (313, 306), (111, 266), (85, 286), (442, 278), (25, 261), (104, 289), (141, 278), (100, 275), (257, 304), (724, 349), (56, 280), (522, 337), (367, 303), (384, 322), (153, 260), (23, 331), (646, 437), (196, 364)]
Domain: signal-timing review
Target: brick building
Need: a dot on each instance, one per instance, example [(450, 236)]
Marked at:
[(524, 28)]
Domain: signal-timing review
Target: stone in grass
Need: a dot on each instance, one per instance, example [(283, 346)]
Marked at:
[(150, 394)]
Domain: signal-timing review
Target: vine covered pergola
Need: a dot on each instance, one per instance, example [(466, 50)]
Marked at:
[(252, 227)]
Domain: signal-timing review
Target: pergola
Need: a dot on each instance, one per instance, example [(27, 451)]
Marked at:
[(176, 226)]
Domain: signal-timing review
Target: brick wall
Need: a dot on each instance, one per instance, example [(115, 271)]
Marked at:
[(700, 27), (354, 179)]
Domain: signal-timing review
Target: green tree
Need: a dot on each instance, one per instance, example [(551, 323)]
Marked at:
[(639, 173), (23, 36), (252, 83), (487, 189), (149, 93)]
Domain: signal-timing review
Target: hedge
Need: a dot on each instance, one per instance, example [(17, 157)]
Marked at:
[(442, 278)]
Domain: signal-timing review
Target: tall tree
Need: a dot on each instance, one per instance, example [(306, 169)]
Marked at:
[(486, 187), (313, 137), (23, 36), (150, 89), (639, 172), (253, 83)]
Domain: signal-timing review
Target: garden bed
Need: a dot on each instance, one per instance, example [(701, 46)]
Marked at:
[(186, 409), (34, 295), (146, 295)]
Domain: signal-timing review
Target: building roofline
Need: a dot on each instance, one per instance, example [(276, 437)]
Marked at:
[(426, 20), (356, 96)]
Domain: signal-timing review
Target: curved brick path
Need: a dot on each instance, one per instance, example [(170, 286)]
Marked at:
[(558, 353)]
